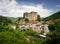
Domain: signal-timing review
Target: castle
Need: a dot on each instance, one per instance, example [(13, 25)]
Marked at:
[(32, 16), (37, 26)]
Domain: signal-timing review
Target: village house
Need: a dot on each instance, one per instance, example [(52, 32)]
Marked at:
[(37, 27)]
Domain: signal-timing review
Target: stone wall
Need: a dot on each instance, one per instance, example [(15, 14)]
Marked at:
[(31, 16)]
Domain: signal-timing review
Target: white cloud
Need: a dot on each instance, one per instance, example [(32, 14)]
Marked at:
[(12, 8)]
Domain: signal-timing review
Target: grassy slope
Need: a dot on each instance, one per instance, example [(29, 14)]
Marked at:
[(10, 36)]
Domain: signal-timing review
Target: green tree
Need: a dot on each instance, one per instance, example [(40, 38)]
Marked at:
[(57, 27), (51, 27), (38, 18), (26, 20), (54, 38), (19, 18)]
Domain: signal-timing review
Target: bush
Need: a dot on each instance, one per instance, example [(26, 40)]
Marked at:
[(30, 32), (51, 27), (26, 20), (10, 36)]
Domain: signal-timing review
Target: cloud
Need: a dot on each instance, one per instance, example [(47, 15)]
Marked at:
[(12, 8)]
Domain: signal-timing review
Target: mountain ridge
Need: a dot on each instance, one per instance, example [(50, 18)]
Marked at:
[(53, 16)]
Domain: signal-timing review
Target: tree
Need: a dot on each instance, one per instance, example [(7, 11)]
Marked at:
[(38, 18), (54, 38), (19, 18), (57, 27), (26, 19), (51, 27)]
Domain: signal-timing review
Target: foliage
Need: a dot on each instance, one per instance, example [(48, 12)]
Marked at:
[(38, 18), (26, 19), (30, 32), (10, 36), (51, 27), (57, 27), (19, 18), (12, 19), (4, 21), (54, 38)]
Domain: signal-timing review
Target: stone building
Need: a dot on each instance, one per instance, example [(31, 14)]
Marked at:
[(38, 27), (32, 16)]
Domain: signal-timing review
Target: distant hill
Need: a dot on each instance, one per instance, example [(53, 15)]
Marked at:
[(53, 16), (13, 19), (4, 20)]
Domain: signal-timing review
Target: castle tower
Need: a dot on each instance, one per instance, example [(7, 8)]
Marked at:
[(31, 16)]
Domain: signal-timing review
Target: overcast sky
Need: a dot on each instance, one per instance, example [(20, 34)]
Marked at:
[(16, 8)]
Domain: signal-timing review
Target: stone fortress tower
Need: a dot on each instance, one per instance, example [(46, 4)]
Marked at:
[(32, 16)]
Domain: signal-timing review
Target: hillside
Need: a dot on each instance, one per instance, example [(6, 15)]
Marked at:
[(13, 19), (10, 36), (4, 21), (53, 16)]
